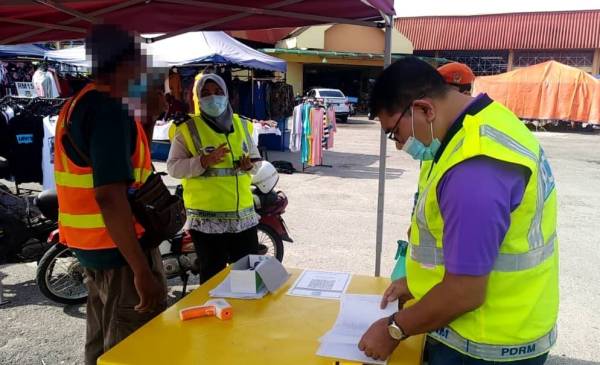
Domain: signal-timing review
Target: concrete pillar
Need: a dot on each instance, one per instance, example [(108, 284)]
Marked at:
[(596, 62), (511, 57)]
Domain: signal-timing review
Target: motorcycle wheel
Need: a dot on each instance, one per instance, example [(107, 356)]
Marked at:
[(60, 276), (268, 238)]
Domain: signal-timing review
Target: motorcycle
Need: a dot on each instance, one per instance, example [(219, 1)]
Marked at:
[(23, 227), (60, 277)]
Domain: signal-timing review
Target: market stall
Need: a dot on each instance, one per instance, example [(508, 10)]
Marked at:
[(17, 68), (260, 98), (70, 20), (47, 21)]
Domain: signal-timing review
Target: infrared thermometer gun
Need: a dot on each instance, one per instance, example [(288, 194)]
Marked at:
[(215, 307)]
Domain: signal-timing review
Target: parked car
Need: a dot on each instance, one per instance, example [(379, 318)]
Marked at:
[(333, 97)]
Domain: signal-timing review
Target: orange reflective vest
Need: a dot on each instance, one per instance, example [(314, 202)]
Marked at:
[(80, 220)]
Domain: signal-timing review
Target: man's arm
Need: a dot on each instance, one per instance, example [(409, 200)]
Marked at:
[(117, 215), (453, 297)]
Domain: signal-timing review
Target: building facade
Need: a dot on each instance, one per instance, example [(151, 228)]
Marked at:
[(340, 56), (492, 44)]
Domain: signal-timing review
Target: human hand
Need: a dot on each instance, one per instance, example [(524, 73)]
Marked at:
[(377, 343), (398, 290), (151, 293), (246, 163), (215, 157)]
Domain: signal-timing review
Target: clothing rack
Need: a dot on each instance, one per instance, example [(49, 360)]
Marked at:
[(317, 103), (36, 106)]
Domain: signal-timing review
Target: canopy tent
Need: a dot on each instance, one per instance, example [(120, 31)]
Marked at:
[(74, 56), (546, 91), (189, 48), (21, 50), (70, 19), (28, 21), (215, 47)]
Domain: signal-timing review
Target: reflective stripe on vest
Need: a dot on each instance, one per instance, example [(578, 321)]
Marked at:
[(505, 262), (195, 213), (221, 172), (197, 140), (195, 136), (496, 352), (81, 220)]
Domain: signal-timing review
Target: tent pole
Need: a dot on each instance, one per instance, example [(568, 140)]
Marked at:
[(387, 60)]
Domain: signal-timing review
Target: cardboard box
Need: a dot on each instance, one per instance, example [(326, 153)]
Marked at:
[(251, 272)]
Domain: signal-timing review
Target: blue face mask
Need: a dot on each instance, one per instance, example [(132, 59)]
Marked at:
[(416, 149), (214, 105), (137, 88)]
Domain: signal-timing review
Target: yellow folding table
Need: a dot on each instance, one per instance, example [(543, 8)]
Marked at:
[(277, 329)]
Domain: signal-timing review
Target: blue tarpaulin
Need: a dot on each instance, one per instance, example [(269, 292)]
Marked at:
[(21, 50)]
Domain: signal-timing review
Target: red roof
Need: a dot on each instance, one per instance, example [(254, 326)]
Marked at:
[(269, 36), (33, 21), (549, 30)]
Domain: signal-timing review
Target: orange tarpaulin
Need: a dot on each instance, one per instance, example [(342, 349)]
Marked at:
[(548, 90)]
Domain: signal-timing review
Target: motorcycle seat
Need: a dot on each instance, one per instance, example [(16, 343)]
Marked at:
[(47, 202), (4, 168)]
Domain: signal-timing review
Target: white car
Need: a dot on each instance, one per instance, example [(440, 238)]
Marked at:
[(333, 97)]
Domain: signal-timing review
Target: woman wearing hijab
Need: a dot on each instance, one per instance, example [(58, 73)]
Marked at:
[(213, 154)]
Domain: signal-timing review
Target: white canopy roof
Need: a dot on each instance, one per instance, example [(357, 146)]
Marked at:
[(189, 48)]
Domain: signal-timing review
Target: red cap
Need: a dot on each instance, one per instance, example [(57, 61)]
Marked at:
[(457, 73)]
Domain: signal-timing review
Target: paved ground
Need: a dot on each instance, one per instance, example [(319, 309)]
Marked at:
[(332, 220)]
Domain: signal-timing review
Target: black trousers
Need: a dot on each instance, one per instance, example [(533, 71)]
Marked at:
[(215, 251)]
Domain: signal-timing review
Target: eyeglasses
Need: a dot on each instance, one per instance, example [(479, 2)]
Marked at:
[(391, 134)]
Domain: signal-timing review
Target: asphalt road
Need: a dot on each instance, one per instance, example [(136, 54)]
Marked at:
[(332, 215)]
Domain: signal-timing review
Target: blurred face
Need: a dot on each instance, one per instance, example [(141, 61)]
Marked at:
[(129, 70), (399, 125), (211, 88)]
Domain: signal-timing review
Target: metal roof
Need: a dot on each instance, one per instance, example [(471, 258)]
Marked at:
[(548, 30)]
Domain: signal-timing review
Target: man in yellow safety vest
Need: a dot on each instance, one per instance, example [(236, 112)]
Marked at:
[(482, 263)]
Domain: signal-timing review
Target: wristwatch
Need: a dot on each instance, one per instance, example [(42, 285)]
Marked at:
[(394, 330)]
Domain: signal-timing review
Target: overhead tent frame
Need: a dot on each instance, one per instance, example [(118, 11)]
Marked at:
[(31, 17)]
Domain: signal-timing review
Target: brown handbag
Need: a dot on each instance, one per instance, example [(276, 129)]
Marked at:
[(161, 213)]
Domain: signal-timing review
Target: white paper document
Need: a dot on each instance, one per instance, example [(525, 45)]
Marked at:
[(320, 284), (223, 290), (357, 313)]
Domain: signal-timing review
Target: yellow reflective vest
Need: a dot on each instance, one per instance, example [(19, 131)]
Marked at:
[(222, 191), (517, 319)]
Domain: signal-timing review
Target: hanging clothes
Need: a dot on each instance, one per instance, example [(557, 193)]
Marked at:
[(175, 87), (317, 136), (332, 128), (296, 129), (48, 152), (312, 131), (26, 133)]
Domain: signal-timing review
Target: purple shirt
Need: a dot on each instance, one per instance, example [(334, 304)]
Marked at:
[(476, 199)]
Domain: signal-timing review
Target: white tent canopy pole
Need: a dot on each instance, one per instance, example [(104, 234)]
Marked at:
[(387, 60)]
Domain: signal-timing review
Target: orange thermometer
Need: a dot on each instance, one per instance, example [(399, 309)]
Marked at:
[(215, 307)]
